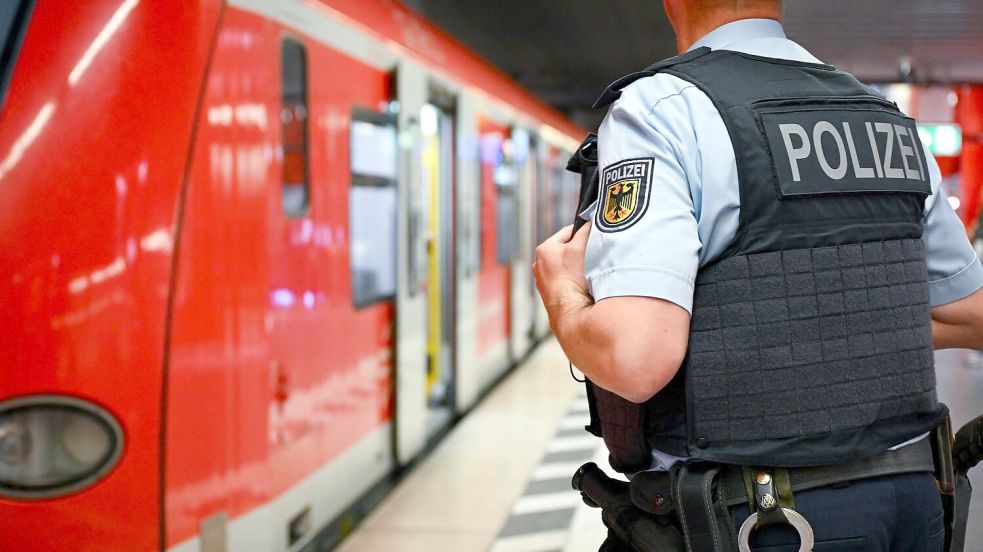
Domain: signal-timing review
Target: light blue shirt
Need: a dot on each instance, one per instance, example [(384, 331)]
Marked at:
[(692, 215)]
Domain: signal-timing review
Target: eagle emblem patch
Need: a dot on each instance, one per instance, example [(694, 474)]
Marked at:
[(624, 197)]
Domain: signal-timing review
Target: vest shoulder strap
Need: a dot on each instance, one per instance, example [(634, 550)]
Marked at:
[(613, 91)]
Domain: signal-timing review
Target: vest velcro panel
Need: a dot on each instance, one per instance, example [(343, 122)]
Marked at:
[(800, 342)]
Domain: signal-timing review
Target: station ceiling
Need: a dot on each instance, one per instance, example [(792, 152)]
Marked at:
[(567, 51)]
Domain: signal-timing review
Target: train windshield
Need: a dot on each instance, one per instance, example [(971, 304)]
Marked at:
[(14, 15)]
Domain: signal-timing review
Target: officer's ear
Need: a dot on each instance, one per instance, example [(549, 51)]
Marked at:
[(672, 9)]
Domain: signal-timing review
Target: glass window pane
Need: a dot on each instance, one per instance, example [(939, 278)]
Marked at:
[(507, 226), (14, 16), (293, 120), (499, 153), (372, 204), (372, 216), (373, 150)]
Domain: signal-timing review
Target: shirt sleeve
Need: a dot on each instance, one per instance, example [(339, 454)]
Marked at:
[(647, 245), (954, 271)]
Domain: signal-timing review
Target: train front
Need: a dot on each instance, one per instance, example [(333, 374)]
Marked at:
[(99, 101)]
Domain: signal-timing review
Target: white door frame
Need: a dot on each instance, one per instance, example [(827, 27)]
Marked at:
[(411, 299), (468, 180)]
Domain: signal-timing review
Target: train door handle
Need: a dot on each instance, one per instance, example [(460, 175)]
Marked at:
[(281, 382)]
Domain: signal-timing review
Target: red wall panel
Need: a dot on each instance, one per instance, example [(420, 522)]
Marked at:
[(969, 115)]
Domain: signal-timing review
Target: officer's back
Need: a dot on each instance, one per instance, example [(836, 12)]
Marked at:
[(785, 225)]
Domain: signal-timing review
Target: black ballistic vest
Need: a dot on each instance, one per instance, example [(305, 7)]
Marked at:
[(810, 340)]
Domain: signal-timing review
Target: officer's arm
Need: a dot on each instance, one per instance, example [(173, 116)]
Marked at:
[(631, 346), (959, 324), (642, 254)]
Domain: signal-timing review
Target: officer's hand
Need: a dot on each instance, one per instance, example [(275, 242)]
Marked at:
[(559, 269)]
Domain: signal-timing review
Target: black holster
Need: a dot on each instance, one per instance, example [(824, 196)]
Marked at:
[(640, 514), (966, 452), (682, 510)]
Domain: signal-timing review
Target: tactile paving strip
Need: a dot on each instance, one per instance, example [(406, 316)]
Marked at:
[(540, 518)]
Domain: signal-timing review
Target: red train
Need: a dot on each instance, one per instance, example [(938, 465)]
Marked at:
[(256, 254)]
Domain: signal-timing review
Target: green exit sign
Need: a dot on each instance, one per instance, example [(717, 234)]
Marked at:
[(942, 140)]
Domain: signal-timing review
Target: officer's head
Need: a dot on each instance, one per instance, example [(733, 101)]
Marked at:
[(691, 19)]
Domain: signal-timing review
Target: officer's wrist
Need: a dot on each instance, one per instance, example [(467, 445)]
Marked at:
[(567, 309)]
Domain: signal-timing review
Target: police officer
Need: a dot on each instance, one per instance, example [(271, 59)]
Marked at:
[(775, 229)]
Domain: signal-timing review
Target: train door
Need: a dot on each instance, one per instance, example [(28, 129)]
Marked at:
[(437, 163), (410, 386), (520, 276), (467, 199)]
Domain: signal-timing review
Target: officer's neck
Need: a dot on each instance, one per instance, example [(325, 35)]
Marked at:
[(692, 27)]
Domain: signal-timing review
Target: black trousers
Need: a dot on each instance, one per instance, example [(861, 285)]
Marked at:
[(898, 513)]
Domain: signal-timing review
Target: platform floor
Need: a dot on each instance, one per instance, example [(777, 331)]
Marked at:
[(500, 481)]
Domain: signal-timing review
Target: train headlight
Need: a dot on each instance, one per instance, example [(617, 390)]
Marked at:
[(54, 445)]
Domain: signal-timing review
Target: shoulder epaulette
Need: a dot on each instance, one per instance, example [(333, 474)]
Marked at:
[(613, 91)]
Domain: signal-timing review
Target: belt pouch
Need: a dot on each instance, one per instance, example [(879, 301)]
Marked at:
[(702, 511)]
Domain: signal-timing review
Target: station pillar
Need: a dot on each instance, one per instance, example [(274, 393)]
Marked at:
[(969, 115)]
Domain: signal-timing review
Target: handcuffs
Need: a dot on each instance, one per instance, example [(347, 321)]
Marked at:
[(770, 509)]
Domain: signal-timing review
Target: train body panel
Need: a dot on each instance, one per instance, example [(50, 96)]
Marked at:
[(268, 347), (391, 21), (96, 129), (341, 277)]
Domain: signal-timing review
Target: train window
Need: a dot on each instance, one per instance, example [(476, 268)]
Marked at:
[(14, 16), (506, 221), (509, 175), (372, 207), (506, 181), (293, 119), (524, 163)]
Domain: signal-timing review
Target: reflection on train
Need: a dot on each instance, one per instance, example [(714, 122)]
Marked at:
[(255, 259)]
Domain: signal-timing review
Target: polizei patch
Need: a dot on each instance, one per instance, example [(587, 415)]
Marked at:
[(624, 197), (821, 150)]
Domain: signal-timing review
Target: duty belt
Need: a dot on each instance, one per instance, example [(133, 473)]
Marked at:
[(916, 457), (687, 509)]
